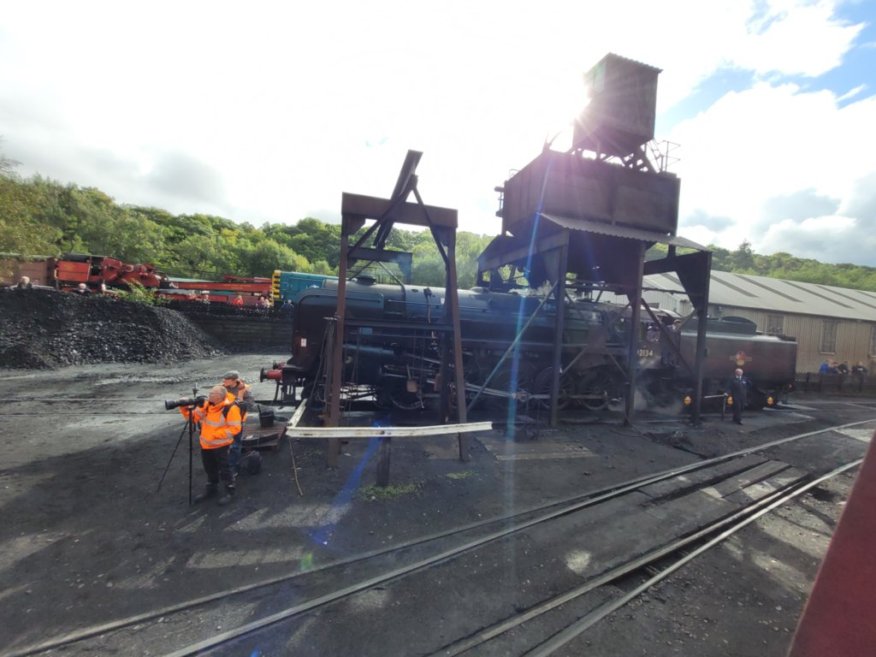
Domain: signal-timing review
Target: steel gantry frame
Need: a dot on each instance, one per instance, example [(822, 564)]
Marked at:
[(608, 256), (356, 209)]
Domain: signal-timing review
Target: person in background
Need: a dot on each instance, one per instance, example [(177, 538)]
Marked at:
[(237, 301), (237, 392), (859, 369), (82, 288), (843, 368), (24, 283), (220, 422), (739, 391)]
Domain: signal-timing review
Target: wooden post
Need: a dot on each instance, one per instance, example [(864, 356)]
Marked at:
[(557, 360), (336, 368), (451, 308), (383, 461)]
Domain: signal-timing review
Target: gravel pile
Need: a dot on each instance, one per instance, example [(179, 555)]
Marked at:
[(42, 328)]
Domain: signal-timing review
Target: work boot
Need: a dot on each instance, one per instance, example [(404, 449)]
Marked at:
[(226, 496), (209, 491)]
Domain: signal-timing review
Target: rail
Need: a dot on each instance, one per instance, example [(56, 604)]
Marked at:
[(496, 528)]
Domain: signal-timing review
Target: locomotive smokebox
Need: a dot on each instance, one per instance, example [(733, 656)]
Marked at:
[(621, 113)]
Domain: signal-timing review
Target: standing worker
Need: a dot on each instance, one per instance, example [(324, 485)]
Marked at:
[(241, 394), (220, 422), (739, 392)]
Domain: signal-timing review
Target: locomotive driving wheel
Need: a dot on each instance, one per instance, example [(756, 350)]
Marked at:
[(404, 400), (595, 390), (505, 381), (542, 386)]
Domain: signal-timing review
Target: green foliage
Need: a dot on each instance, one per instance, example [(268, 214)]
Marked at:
[(783, 265), (43, 217), (372, 493), (136, 293), (465, 474)]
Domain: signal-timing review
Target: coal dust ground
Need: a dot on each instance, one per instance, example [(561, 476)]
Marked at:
[(87, 538), (43, 328)]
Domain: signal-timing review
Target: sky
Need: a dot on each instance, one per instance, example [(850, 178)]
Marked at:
[(268, 111)]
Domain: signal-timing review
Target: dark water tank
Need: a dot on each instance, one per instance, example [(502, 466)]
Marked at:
[(622, 109)]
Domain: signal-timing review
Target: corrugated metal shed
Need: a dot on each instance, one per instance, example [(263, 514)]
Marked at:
[(779, 296)]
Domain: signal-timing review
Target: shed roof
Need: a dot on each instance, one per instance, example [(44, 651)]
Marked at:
[(618, 230), (779, 296)]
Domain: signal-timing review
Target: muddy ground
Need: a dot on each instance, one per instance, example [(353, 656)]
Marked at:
[(86, 538)]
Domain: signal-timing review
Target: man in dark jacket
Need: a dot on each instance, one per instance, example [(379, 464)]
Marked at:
[(239, 392), (739, 392)]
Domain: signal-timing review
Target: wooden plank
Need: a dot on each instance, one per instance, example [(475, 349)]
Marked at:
[(763, 488), (751, 476), (389, 432), (691, 509), (697, 477)]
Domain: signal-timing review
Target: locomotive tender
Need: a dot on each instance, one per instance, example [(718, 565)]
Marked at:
[(392, 348)]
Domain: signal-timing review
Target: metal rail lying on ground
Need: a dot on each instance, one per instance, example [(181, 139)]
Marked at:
[(387, 432)]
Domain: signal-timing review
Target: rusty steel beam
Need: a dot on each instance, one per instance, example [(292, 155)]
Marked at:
[(361, 207), (336, 368), (635, 297)]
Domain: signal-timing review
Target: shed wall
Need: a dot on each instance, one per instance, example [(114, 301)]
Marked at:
[(853, 336)]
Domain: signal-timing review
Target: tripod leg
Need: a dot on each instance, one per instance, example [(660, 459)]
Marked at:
[(167, 467), (191, 432)]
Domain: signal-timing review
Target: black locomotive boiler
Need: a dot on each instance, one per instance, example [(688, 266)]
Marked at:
[(392, 348)]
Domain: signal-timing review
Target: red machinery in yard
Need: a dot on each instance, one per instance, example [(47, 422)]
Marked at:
[(73, 269), (249, 288)]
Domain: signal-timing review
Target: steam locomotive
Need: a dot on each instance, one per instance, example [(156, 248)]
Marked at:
[(392, 348)]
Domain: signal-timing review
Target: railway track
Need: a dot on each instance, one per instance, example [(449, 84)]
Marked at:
[(376, 570), (674, 553)]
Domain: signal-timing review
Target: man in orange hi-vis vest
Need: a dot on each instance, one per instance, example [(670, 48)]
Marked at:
[(219, 420)]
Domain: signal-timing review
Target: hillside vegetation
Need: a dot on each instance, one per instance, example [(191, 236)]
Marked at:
[(43, 217)]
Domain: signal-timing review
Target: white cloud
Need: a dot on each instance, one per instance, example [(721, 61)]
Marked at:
[(280, 107), (793, 37), (773, 141), (828, 239)]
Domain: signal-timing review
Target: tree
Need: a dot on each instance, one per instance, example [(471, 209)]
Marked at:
[(7, 165), (21, 230), (742, 259)]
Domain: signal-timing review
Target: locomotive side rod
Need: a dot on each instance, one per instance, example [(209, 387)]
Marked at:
[(511, 347)]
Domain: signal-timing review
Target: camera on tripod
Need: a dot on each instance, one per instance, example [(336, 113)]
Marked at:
[(190, 402)]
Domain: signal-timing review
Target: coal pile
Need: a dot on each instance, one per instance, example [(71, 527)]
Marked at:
[(42, 328)]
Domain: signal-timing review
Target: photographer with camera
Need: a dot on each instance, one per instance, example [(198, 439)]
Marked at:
[(220, 421)]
